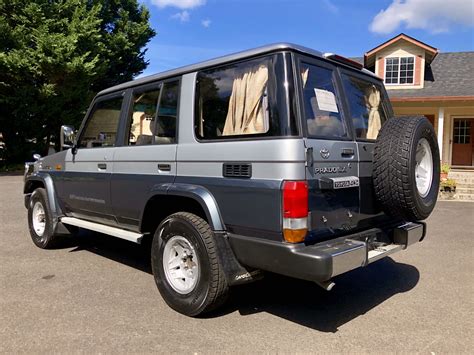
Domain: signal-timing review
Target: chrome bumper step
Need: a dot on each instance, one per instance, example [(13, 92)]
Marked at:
[(383, 251), (403, 236)]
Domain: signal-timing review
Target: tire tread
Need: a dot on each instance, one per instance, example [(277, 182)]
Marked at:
[(391, 170), (218, 290), (51, 238)]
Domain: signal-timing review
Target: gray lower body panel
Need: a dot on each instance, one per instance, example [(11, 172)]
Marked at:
[(238, 202)]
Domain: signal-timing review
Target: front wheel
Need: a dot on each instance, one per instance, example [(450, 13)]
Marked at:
[(185, 265), (40, 220)]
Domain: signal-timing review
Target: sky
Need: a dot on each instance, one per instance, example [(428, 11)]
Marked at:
[(190, 31)]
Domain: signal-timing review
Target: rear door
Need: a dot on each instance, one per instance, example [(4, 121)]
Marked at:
[(147, 158), (332, 154)]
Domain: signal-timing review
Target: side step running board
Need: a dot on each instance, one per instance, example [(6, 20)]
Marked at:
[(96, 227)]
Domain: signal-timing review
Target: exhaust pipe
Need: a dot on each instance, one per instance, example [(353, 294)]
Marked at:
[(327, 285)]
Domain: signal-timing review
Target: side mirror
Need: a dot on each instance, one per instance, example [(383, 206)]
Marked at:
[(67, 137)]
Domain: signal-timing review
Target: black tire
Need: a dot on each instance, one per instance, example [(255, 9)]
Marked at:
[(47, 239), (395, 164), (211, 289)]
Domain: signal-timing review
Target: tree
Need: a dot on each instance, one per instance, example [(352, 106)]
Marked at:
[(55, 55)]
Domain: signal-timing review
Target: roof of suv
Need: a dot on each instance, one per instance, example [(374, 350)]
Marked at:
[(218, 61)]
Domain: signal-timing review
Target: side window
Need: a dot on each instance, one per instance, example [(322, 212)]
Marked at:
[(365, 105), (101, 127), (233, 101), (154, 114), (144, 106), (321, 104), (165, 128)]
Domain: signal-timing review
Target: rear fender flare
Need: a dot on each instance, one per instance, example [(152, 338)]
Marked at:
[(198, 193)]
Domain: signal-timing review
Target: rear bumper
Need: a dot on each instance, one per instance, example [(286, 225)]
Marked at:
[(322, 261)]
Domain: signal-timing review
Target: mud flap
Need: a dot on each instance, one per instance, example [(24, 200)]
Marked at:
[(236, 274)]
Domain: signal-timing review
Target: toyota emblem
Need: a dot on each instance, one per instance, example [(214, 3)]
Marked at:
[(324, 153)]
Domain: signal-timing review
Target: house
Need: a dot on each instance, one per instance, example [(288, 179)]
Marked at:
[(421, 80)]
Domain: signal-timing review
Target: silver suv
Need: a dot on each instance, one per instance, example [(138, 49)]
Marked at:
[(279, 159)]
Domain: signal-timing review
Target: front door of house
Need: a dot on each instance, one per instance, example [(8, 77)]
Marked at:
[(463, 145)]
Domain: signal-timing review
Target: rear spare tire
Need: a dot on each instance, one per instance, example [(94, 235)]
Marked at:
[(406, 168)]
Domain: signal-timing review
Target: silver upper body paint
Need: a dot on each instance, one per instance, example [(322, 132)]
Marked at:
[(219, 61)]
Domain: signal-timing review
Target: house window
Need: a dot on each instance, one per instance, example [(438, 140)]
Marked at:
[(462, 132), (399, 70)]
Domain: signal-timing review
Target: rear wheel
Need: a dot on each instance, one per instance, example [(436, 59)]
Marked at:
[(185, 265), (407, 167)]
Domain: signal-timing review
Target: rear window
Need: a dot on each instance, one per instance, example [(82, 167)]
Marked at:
[(233, 100), (322, 109), (365, 104), (153, 116)]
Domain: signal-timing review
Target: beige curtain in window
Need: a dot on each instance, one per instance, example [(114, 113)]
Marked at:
[(246, 112), (373, 104), (304, 76)]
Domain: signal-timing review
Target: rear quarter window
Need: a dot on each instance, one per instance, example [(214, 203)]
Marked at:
[(235, 101)]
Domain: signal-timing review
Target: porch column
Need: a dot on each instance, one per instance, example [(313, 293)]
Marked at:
[(440, 131)]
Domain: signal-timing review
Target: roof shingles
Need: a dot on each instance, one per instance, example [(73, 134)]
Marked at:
[(450, 74)]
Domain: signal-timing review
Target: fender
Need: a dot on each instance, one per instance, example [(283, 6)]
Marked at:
[(205, 198), (198, 193), (235, 273), (47, 181)]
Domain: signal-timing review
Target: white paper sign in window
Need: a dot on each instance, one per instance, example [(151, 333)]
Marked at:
[(326, 100)]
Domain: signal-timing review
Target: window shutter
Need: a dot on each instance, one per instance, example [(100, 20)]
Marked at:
[(381, 68), (418, 69)]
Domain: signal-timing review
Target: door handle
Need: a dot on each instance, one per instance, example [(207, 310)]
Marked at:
[(164, 168), (102, 166), (347, 152)]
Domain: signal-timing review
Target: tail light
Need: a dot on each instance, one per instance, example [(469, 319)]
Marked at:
[(295, 211)]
